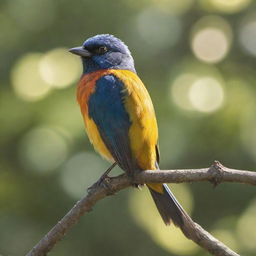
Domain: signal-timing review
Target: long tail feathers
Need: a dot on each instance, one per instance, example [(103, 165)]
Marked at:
[(171, 211)]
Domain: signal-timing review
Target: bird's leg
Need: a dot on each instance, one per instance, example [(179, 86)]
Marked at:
[(105, 174), (103, 177), (132, 175)]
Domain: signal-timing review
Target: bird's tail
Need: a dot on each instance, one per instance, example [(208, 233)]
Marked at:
[(170, 209)]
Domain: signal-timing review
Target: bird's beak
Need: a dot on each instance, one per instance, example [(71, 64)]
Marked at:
[(80, 51)]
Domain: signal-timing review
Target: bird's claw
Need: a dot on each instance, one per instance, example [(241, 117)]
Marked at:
[(103, 181)]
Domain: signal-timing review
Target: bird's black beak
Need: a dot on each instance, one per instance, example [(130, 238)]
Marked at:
[(81, 52)]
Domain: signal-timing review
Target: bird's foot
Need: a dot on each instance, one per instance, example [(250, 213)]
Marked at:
[(103, 181), (131, 176), (138, 186)]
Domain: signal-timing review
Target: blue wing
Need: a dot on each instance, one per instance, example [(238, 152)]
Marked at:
[(107, 110)]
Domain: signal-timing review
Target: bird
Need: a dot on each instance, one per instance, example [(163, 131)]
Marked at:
[(120, 119)]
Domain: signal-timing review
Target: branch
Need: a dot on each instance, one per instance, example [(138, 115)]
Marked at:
[(216, 174)]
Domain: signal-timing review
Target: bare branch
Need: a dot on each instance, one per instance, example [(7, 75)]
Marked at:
[(216, 173)]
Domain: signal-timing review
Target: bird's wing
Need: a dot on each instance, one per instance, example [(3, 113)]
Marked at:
[(106, 109), (143, 133)]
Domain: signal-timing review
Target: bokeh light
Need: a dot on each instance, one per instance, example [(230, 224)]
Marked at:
[(169, 238), (81, 171), (197, 88), (247, 34), (245, 228), (206, 94), (210, 45), (60, 69), (35, 74), (180, 88), (26, 79), (157, 28), (43, 149), (211, 39), (226, 6)]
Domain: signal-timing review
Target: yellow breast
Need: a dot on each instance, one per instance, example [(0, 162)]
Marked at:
[(85, 88)]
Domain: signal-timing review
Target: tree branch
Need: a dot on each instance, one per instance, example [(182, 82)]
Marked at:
[(216, 174)]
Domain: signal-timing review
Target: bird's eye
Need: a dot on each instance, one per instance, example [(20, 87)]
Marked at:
[(101, 50)]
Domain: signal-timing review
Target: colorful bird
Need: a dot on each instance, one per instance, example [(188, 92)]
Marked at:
[(119, 117)]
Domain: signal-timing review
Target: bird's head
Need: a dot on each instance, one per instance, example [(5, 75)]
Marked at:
[(104, 52)]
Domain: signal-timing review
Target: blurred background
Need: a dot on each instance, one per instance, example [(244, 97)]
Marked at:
[(197, 59)]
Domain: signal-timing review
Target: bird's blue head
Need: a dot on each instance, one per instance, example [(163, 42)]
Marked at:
[(104, 52)]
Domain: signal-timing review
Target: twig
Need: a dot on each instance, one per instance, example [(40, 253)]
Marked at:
[(216, 174)]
